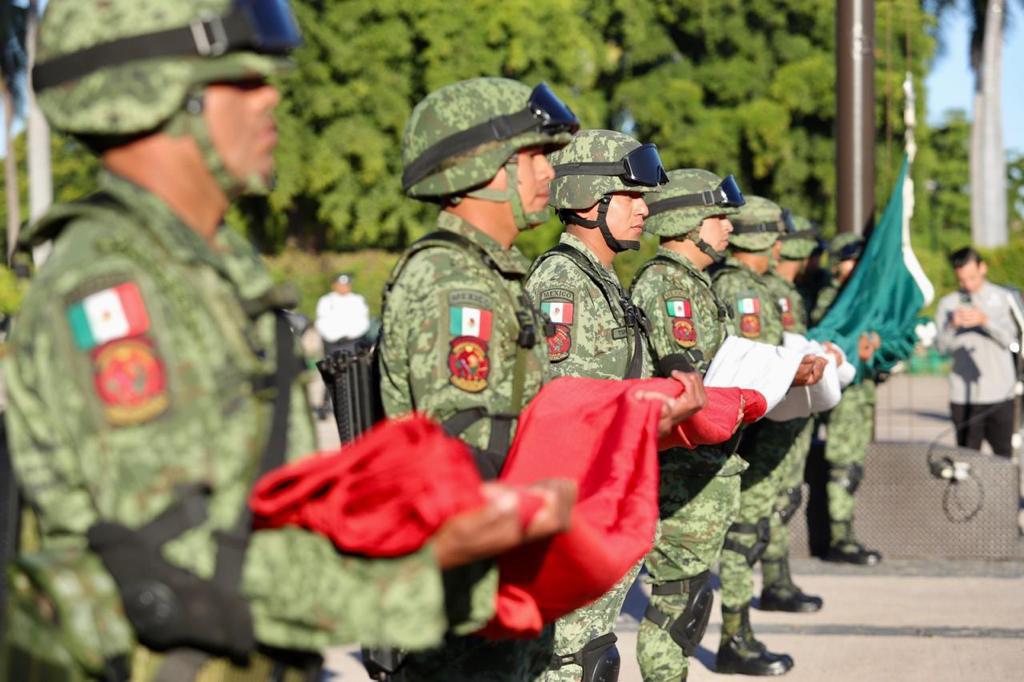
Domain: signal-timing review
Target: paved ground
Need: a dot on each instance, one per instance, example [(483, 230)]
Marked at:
[(940, 621)]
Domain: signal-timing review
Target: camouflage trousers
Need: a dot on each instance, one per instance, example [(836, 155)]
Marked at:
[(764, 446), (475, 659), (696, 510), (851, 426), (575, 629), (774, 562)]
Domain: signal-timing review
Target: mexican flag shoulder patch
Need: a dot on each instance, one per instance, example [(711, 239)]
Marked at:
[(107, 315)]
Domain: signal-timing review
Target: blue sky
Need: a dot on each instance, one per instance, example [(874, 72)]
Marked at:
[(950, 85)]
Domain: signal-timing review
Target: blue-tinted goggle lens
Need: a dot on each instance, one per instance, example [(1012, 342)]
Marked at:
[(851, 251), (729, 193), (553, 114), (787, 221), (644, 167), (273, 24)]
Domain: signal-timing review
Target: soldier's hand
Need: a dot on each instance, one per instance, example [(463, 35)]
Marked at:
[(810, 371), (496, 527), (559, 497), (685, 405), (866, 346), (833, 350)]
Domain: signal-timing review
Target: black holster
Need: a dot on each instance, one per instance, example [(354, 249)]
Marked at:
[(168, 606)]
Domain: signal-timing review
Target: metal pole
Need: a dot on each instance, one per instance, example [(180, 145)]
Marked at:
[(855, 118)]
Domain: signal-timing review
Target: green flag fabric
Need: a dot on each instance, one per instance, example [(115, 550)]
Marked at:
[(885, 292)]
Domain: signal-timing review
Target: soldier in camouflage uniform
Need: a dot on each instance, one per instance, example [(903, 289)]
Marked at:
[(461, 341), (700, 489), (740, 283), (851, 423), (779, 592), (601, 180), (151, 376)]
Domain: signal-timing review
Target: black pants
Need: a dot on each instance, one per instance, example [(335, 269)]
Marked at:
[(992, 422)]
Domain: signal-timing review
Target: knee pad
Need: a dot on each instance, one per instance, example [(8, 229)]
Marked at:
[(599, 659), (762, 532), (688, 628), (849, 476), (796, 496)]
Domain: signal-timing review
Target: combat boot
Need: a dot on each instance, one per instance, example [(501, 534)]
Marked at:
[(741, 654), (852, 552), (780, 593), (846, 550)]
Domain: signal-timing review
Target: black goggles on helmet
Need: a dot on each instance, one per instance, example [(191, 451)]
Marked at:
[(263, 26), (851, 251), (793, 232), (726, 195), (642, 166), (544, 113)]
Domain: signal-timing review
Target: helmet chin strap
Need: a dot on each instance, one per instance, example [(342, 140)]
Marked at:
[(570, 217), (705, 248), (524, 220), (190, 122)]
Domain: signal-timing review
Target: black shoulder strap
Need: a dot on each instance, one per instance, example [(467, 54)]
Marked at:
[(233, 543), (10, 517)]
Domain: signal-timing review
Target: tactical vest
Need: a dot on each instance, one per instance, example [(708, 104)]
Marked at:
[(630, 316), (489, 460)]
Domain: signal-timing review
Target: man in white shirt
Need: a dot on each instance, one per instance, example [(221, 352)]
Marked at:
[(342, 316), (978, 331)]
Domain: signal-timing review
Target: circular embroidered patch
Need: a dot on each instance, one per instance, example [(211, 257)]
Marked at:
[(788, 320), (559, 343), (468, 364), (684, 332), (130, 380), (750, 325)]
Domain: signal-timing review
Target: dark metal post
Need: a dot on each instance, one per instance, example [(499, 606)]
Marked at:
[(855, 118)]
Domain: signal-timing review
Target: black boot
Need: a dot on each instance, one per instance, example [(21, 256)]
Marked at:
[(780, 593), (792, 600), (852, 552), (741, 654)]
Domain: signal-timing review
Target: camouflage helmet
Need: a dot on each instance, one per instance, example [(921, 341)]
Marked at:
[(801, 241), (460, 136), (757, 226), (845, 246), (601, 162), (123, 67), (670, 218)]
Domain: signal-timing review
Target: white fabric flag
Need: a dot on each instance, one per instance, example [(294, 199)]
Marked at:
[(747, 364), (803, 401)]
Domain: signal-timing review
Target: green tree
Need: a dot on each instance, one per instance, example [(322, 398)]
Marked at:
[(365, 63)]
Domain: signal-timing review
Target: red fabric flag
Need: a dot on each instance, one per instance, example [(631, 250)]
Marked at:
[(385, 494)]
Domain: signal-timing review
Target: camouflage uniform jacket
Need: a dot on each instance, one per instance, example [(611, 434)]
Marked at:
[(450, 330), (751, 301), (137, 364), (592, 338), (687, 317), (826, 297), (790, 302)]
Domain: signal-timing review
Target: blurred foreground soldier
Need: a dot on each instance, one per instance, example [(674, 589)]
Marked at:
[(779, 592), (342, 317), (700, 488), (851, 423), (152, 379), (740, 283), (461, 341), (601, 179), (976, 327)]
